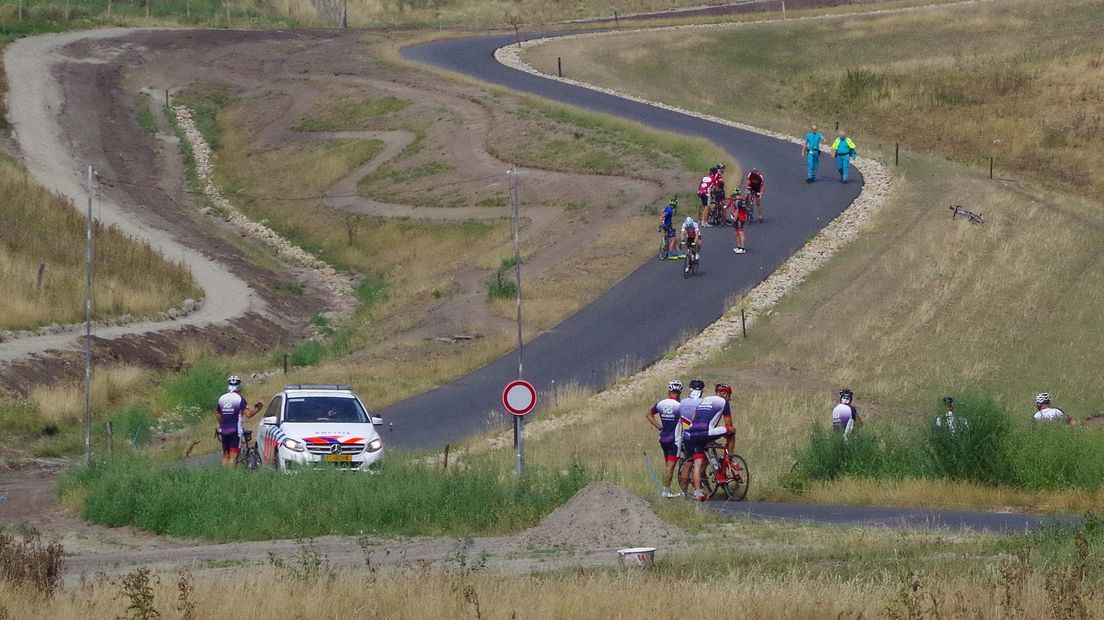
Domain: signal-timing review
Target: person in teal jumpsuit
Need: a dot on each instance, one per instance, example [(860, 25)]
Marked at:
[(811, 151), (844, 149)]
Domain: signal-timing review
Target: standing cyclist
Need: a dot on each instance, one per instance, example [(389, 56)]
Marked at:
[(712, 418), (717, 191), (844, 416), (811, 151), (739, 219), (754, 186), (229, 410), (666, 224), (704, 190), (670, 431), (1046, 412)]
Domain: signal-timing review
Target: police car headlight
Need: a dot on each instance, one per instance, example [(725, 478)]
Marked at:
[(374, 445), (294, 445)]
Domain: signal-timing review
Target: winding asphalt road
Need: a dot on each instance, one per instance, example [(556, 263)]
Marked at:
[(639, 319)]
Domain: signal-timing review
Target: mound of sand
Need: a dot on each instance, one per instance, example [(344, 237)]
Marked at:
[(601, 515)]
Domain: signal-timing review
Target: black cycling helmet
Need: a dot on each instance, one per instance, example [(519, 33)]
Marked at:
[(846, 394), (948, 401), (713, 170), (697, 384)]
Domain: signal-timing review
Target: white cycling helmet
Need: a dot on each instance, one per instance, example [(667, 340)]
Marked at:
[(1042, 398), (675, 386), (689, 220), (234, 383)]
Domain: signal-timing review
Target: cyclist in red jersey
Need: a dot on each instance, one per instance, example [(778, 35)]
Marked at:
[(739, 219), (754, 186), (717, 191)]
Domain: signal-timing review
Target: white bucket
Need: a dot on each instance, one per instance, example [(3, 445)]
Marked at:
[(636, 557)]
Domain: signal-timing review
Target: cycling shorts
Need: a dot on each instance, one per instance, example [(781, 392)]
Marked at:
[(755, 189), (231, 443), (704, 199), (669, 230), (696, 448), (738, 224), (670, 450)]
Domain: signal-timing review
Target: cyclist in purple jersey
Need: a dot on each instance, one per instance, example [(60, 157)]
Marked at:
[(670, 431), (712, 418), (229, 410)]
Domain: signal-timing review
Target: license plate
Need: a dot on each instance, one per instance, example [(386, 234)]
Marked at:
[(340, 458)]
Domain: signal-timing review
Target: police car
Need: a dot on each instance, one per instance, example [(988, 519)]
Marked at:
[(319, 425)]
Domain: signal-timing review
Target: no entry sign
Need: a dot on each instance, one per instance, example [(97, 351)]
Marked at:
[(519, 397)]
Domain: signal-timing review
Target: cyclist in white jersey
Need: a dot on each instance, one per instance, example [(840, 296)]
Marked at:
[(844, 416), (1047, 413), (229, 411)]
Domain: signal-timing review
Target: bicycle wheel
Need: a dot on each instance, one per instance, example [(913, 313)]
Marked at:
[(685, 473), (663, 253), (688, 266), (694, 266), (738, 478), (253, 459)]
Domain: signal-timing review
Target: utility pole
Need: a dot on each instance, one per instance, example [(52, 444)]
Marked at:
[(345, 14), (519, 421), (88, 330)]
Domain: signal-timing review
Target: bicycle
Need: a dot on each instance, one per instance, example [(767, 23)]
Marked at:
[(723, 471), (664, 245), (249, 456), (693, 259), (755, 205), (717, 215)]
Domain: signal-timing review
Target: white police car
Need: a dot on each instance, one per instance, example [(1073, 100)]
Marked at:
[(319, 425)]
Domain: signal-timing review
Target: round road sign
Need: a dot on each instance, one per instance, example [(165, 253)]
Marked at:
[(519, 397)]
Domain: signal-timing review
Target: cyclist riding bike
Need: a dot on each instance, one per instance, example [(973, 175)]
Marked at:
[(691, 236), (704, 189), (844, 416), (711, 419), (754, 186), (670, 431), (229, 411), (666, 224)]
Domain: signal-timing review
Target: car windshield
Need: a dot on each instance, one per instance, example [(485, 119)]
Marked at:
[(325, 409)]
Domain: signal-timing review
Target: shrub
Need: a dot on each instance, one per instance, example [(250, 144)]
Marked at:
[(31, 562), (309, 353), (405, 498), (199, 385)]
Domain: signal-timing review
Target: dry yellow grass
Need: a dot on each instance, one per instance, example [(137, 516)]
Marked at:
[(130, 278), (112, 388), (794, 594)]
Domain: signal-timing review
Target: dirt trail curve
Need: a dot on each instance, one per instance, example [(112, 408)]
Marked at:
[(35, 104)]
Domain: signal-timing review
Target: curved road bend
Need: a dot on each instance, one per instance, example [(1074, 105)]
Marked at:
[(639, 319)]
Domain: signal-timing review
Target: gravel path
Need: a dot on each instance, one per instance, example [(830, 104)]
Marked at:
[(35, 104)]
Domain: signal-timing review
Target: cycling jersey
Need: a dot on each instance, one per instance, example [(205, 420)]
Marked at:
[(690, 230), (844, 418), (741, 211), (668, 412), (1049, 414), (668, 213), (706, 184), (707, 421), (755, 182), (229, 408)]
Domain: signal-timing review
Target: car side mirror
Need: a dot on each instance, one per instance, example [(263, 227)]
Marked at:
[(377, 420), (269, 420)]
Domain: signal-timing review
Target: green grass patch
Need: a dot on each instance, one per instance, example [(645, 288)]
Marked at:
[(350, 114), (369, 290), (145, 117), (293, 287), (309, 353), (198, 386), (984, 446), (404, 499)]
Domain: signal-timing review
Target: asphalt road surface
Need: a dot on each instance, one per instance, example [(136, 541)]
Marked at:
[(639, 319), (631, 325)]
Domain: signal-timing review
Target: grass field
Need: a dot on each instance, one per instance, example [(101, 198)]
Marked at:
[(39, 229), (921, 306), (770, 569)]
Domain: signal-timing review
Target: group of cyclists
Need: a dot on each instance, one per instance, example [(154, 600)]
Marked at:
[(687, 426), (717, 208)]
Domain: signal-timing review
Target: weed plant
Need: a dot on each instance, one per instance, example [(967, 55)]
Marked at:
[(406, 498), (31, 563)]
